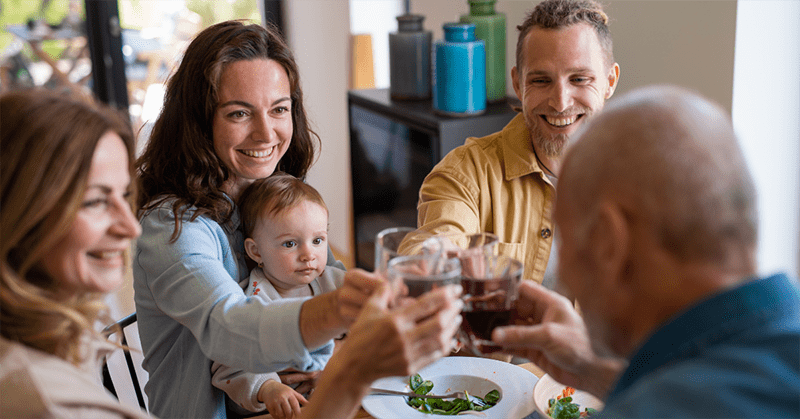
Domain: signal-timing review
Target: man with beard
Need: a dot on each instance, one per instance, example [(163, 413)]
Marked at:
[(505, 183), (660, 254)]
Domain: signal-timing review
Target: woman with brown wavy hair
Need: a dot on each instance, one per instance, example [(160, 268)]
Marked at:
[(233, 113), (67, 224)]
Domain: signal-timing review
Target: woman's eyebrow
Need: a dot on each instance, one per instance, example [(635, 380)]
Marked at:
[(103, 188), (248, 105), (236, 102)]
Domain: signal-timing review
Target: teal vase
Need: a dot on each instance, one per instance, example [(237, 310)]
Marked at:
[(491, 28), (459, 74)]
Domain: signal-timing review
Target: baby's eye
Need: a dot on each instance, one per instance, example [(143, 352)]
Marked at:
[(319, 240), (289, 244)]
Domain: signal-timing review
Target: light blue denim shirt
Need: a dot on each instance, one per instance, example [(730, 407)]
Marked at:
[(736, 354), (192, 310)]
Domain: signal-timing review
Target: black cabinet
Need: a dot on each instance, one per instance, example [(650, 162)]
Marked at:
[(393, 146)]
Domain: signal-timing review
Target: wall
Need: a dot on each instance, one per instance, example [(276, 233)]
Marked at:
[(766, 115), (319, 34), (377, 18)]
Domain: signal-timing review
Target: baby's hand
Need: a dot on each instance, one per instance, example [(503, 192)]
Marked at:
[(281, 400)]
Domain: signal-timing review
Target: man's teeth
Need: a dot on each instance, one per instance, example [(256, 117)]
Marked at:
[(561, 122), (107, 254), (265, 153)]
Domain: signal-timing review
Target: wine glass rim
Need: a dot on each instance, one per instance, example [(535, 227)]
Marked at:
[(392, 230), (451, 268)]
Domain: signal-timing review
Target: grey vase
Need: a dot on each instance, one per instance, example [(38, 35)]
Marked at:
[(410, 59)]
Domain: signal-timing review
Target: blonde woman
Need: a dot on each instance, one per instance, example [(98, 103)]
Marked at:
[(67, 223)]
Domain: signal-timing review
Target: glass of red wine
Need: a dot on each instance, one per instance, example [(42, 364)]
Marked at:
[(421, 273), (490, 295)]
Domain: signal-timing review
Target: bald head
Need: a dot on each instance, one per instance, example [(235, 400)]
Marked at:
[(671, 157)]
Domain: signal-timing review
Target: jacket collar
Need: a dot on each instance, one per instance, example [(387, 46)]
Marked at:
[(517, 149)]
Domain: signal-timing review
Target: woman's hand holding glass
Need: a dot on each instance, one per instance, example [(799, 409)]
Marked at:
[(386, 342)]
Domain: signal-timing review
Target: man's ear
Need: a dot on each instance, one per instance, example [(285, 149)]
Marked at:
[(611, 247), (613, 80), (251, 248)]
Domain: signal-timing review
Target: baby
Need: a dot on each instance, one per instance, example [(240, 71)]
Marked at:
[(286, 225)]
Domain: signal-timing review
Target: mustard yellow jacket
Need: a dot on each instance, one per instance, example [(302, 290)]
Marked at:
[(494, 184)]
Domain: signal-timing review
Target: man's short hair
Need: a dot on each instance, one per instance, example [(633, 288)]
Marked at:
[(558, 14)]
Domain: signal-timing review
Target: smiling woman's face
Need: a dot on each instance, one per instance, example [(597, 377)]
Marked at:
[(252, 125), (91, 256)]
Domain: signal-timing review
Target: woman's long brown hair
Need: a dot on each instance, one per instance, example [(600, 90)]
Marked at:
[(179, 162)]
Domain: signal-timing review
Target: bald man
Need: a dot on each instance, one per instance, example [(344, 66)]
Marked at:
[(659, 252)]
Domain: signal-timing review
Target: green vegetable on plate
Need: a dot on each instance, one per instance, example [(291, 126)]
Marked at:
[(564, 409), (447, 407)]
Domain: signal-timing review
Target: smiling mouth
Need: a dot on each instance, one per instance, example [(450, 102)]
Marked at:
[(561, 121), (106, 255), (258, 154)]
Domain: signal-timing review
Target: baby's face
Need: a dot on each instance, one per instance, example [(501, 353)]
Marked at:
[(293, 245)]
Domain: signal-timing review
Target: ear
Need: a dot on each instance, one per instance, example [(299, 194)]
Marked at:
[(613, 78), (251, 248), (515, 82), (611, 247)]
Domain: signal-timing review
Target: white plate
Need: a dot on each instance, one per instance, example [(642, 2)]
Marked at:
[(547, 388), (478, 375)]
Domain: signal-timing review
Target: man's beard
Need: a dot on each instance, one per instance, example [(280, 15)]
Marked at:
[(552, 145)]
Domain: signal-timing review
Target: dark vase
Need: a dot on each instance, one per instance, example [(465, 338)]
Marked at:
[(410, 59)]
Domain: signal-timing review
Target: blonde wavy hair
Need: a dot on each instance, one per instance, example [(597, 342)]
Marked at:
[(48, 141)]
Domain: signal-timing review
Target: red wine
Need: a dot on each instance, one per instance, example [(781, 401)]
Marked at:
[(479, 324), (419, 286)]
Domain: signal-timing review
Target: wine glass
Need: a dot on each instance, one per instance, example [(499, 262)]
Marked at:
[(387, 245), (420, 273), (490, 295), (472, 249), (397, 241)]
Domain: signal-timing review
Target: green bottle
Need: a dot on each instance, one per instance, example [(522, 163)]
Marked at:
[(491, 28)]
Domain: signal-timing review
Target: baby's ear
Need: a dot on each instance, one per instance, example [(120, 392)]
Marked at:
[(251, 248)]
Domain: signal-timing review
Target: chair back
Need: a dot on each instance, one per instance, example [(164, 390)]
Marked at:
[(123, 374)]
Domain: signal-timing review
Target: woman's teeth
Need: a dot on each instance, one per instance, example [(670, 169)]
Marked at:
[(561, 122), (258, 154), (107, 254)]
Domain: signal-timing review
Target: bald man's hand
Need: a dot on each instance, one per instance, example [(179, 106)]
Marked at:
[(554, 337)]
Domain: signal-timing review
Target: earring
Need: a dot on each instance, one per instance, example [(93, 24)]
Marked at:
[(260, 264)]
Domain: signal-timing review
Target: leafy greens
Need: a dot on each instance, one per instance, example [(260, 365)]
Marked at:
[(447, 407), (563, 408)]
